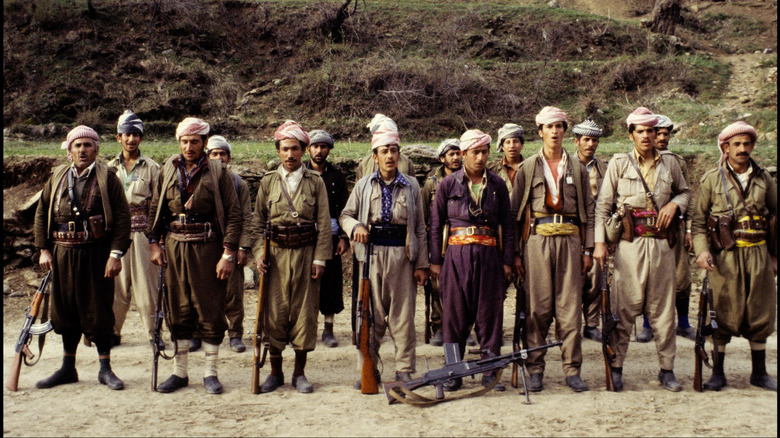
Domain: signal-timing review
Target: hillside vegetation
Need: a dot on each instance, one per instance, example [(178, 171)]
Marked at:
[(245, 66)]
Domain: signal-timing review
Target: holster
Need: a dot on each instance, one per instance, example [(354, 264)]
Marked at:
[(726, 231), (526, 231), (673, 231), (628, 227), (713, 230), (97, 226)]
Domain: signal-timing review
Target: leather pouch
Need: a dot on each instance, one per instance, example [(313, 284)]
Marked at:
[(713, 230), (97, 226), (725, 228), (628, 227), (527, 219)]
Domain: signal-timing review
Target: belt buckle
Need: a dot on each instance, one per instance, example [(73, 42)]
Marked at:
[(182, 218), (650, 220), (470, 231), (72, 227), (557, 218)]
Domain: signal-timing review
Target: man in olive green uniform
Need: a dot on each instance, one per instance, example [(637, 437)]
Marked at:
[(745, 297), (295, 202), (682, 300), (510, 141), (553, 209), (82, 228), (196, 213), (450, 158), (219, 149), (586, 137), (137, 280), (385, 209), (641, 282)]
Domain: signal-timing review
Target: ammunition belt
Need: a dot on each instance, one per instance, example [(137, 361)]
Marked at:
[(293, 236), (388, 235), (180, 228), (749, 237), (473, 231), (750, 223), (68, 238), (138, 222)]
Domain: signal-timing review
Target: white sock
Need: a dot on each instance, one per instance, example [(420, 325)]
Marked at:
[(328, 318), (212, 352), (180, 360)]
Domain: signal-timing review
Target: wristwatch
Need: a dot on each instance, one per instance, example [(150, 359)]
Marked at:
[(116, 254), (587, 253), (228, 257)]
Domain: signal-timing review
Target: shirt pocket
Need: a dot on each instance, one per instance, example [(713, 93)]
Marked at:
[(308, 206), (140, 190), (455, 206), (400, 212)]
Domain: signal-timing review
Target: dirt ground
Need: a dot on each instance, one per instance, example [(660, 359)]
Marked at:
[(335, 409)]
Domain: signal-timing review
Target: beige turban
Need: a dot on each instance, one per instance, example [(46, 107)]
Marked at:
[(736, 128), (192, 126), (473, 138), (550, 114), (642, 116), (384, 130), (509, 130), (218, 142), (291, 129)]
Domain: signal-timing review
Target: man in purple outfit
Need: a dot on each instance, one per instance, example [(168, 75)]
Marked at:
[(477, 263)]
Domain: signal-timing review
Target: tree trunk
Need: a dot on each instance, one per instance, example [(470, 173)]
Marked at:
[(666, 16)]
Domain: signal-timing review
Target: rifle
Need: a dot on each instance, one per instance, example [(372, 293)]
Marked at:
[(428, 288), (455, 368), (518, 335), (159, 315), (368, 381), (261, 331), (702, 331), (23, 353), (609, 322)]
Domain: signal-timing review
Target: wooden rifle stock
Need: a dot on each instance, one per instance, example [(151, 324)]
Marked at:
[(368, 381), (609, 322), (23, 353), (702, 331), (260, 328)]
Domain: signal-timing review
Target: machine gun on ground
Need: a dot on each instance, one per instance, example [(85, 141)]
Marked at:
[(518, 336)]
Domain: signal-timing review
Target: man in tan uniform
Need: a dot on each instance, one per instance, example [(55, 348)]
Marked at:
[(195, 212), (450, 158), (682, 300), (586, 137), (552, 206), (137, 280), (510, 141), (641, 282), (82, 228), (294, 201), (745, 296), (385, 209)]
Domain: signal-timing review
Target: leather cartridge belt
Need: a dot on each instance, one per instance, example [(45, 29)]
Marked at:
[(557, 219), (180, 228), (750, 237), (138, 218), (293, 236), (746, 223), (473, 231), (388, 235), (71, 234)]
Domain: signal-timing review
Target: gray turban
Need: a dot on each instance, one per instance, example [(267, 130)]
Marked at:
[(664, 122), (588, 128), (320, 136), (218, 142), (447, 145), (509, 130), (129, 123)]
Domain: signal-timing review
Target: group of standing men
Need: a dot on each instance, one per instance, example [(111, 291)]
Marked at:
[(473, 229)]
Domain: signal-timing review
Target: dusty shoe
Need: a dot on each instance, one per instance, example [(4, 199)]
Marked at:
[(576, 384), (646, 335), (173, 383), (668, 381), (471, 342), (328, 339), (212, 385), (764, 381), (689, 333), (488, 380), (716, 382), (195, 344), (453, 385), (271, 383), (302, 385), (110, 379), (592, 333), (406, 377), (237, 345), (535, 382), (617, 379), (436, 339), (60, 377)]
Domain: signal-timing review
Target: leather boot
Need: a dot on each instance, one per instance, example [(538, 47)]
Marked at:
[(327, 336)]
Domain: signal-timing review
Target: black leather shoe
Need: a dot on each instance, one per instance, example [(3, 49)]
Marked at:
[(212, 385), (302, 385), (716, 382), (488, 380), (453, 385), (576, 384), (173, 383), (59, 377), (764, 381), (689, 333), (271, 383), (592, 333), (646, 335), (110, 379), (669, 382), (535, 382), (237, 345), (195, 344), (617, 380)]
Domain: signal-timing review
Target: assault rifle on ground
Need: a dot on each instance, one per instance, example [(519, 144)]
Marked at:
[(261, 343), (22, 349), (454, 368), (518, 336), (159, 316), (702, 331), (368, 380), (609, 322)]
